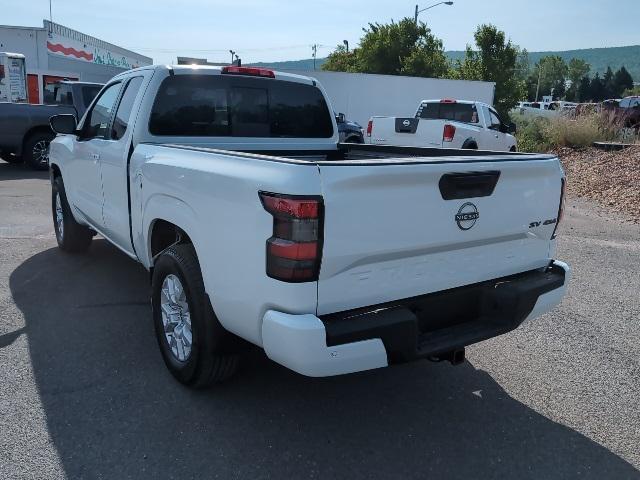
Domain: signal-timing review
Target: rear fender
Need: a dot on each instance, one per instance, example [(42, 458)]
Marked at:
[(170, 209)]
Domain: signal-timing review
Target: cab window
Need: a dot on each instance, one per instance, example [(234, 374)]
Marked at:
[(97, 121), (123, 114)]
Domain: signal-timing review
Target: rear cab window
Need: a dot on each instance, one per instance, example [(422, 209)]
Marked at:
[(459, 112), (234, 106)]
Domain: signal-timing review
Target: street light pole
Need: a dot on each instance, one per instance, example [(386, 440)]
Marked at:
[(418, 11)]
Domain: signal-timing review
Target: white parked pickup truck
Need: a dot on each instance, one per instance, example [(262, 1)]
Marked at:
[(445, 123), (229, 185)]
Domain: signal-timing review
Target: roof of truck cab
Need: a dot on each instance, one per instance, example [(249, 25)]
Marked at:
[(216, 70)]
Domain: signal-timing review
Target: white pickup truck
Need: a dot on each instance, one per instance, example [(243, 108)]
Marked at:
[(229, 185), (445, 123)]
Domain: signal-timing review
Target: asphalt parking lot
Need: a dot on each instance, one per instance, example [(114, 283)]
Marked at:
[(84, 392)]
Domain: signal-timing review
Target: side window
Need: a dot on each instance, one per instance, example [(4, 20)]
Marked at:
[(64, 95), (97, 121), (494, 122), (123, 114)]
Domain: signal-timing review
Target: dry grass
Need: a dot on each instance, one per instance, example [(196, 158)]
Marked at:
[(544, 134)]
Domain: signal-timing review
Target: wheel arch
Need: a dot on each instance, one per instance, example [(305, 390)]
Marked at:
[(31, 132), (470, 144)]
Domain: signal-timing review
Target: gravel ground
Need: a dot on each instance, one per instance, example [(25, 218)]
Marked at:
[(610, 178), (85, 394)]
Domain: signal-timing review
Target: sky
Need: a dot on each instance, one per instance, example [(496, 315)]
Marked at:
[(270, 30)]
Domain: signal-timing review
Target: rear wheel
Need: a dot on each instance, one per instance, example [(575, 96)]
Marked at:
[(470, 145), (71, 236), (36, 150), (194, 345)]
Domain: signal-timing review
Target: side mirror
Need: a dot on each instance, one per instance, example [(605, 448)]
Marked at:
[(511, 128), (65, 123), (340, 118)]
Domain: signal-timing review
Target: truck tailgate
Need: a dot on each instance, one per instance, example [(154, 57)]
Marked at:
[(399, 229)]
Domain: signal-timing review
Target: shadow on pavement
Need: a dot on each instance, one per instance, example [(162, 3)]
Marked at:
[(19, 171), (114, 411)]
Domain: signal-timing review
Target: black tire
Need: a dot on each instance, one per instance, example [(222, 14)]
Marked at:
[(212, 358), (469, 145), (10, 158), (36, 150), (513, 149), (72, 237)]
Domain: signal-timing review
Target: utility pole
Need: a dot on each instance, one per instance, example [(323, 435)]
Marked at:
[(346, 44), (50, 13), (314, 49), (232, 54)]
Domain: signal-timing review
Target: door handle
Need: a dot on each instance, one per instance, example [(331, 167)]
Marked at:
[(94, 156)]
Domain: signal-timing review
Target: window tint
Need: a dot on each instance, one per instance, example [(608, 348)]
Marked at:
[(64, 95), (460, 112), (249, 112), (89, 93), (98, 118), (494, 120), (123, 114), (221, 106)]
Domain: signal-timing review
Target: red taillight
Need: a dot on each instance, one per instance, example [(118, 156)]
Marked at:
[(294, 250), (448, 100), (250, 71), (448, 133), (560, 208), (369, 128)]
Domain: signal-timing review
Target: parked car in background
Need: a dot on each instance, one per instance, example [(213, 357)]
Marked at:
[(230, 186), (445, 123), (623, 112), (25, 132), (350, 132)]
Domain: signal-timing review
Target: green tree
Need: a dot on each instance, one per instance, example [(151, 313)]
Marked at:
[(494, 60), (622, 81), (596, 89), (550, 71), (341, 61), (584, 90), (577, 69), (607, 82), (403, 48)]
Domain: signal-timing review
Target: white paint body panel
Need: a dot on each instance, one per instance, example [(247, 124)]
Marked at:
[(299, 342)]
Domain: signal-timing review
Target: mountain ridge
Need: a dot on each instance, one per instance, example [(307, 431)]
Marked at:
[(599, 58)]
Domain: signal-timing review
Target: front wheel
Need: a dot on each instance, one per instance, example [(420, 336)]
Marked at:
[(71, 236), (36, 150), (194, 345)]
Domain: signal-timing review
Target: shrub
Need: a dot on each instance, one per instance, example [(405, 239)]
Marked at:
[(543, 134), (580, 132)]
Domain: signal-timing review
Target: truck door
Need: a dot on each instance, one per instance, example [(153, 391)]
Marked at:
[(85, 185), (493, 138), (115, 172)]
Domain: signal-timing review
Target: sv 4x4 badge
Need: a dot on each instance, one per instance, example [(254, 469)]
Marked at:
[(467, 216)]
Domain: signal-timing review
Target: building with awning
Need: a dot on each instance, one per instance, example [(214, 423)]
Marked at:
[(54, 52)]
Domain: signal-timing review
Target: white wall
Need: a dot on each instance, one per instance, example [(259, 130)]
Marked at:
[(360, 96), (22, 40)]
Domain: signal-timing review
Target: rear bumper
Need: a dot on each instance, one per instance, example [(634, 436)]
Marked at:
[(418, 327)]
